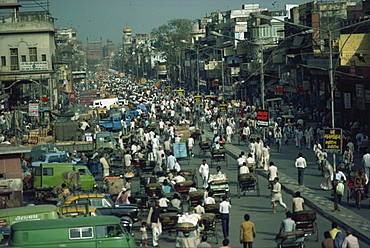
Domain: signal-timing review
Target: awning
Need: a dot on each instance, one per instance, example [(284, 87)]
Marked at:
[(271, 82)]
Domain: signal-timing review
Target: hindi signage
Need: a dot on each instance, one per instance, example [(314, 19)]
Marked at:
[(262, 118), (333, 140), (33, 109), (223, 106), (33, 66)]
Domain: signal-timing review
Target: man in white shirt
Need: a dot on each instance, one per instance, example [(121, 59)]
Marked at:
[(240, 160), (84, 125), (209, 199), (272, 172), (350, 241), (250, 159), (171, 160), (204, 173), (224, 211), (301, 165), (366, 163), (229, 134), (161, 127), (191, 145), (244, 169)]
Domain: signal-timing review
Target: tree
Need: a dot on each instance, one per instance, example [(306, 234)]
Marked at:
[(167, 39), (172, 33)]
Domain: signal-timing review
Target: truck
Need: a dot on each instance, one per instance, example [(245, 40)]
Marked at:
[(102, 140), (98, 231), (49, 175), (113, 123), (105, 103), (56, 157)]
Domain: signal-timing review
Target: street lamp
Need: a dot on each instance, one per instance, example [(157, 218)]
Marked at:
[(331, 73), (263, 47)]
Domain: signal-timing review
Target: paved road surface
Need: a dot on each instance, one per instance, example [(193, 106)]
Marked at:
[(259, 208)]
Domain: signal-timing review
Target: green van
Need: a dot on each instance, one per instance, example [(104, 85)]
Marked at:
[(10, 216), (98, 231)]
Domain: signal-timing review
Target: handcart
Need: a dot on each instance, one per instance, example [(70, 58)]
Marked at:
[(204, 147), (306, 221), (187, 231), (153, 189), (179, 150), (248, 183), (213, 209), (190, 174), (142, 202), (290, 239), (209, 225), (219, 155), (183, 189), (195, 197), (169, 221), (144, 179), (219, 185), (147, 166)]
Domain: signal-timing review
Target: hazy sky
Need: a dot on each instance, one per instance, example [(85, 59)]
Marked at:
[(107, 18)]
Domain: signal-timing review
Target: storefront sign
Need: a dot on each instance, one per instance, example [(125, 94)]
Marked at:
[(262, 118), (279, 90), (347, 100), (33, 109), (198, 98), (333, 140), (33, 66), (367, 96), (223, 106)]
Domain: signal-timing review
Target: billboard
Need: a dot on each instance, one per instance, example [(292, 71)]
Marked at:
[(33, 109), (333, 140), (262, 118)]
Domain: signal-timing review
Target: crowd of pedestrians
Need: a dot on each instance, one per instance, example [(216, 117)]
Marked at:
[(151, 135)]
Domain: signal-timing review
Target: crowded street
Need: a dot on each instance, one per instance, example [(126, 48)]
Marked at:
[(184, 124)]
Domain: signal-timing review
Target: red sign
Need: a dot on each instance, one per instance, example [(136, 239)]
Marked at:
[(279, 90), (72, 96), (262, 118)]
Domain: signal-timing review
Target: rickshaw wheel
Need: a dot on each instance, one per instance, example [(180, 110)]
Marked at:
[(316, 231), (238, 187)]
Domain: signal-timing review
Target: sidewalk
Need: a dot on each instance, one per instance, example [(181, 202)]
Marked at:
[(344, 217)]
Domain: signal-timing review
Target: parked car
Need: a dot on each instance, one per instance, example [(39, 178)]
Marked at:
[(106, 206)]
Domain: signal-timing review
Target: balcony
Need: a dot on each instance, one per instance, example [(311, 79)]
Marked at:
[(27, 22)]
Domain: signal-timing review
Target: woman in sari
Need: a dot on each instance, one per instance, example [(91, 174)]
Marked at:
[(328, 170)]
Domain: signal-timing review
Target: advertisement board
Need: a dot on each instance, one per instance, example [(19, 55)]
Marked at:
[(333, 140), (33, 109), (223, 106), (262, 118)]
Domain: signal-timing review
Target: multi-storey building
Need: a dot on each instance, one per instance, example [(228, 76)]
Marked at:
[(26, 58)]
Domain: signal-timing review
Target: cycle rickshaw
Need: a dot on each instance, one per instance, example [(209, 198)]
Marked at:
[(218, 155), (204, 147), (290, 239), (306, 221)]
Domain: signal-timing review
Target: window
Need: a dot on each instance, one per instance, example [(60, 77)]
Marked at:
[(47, 172), (14, 62), (23, 58), (99, 202), (109, 231), (32, 52), (81, 233), (3, 61), (43, 57)]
